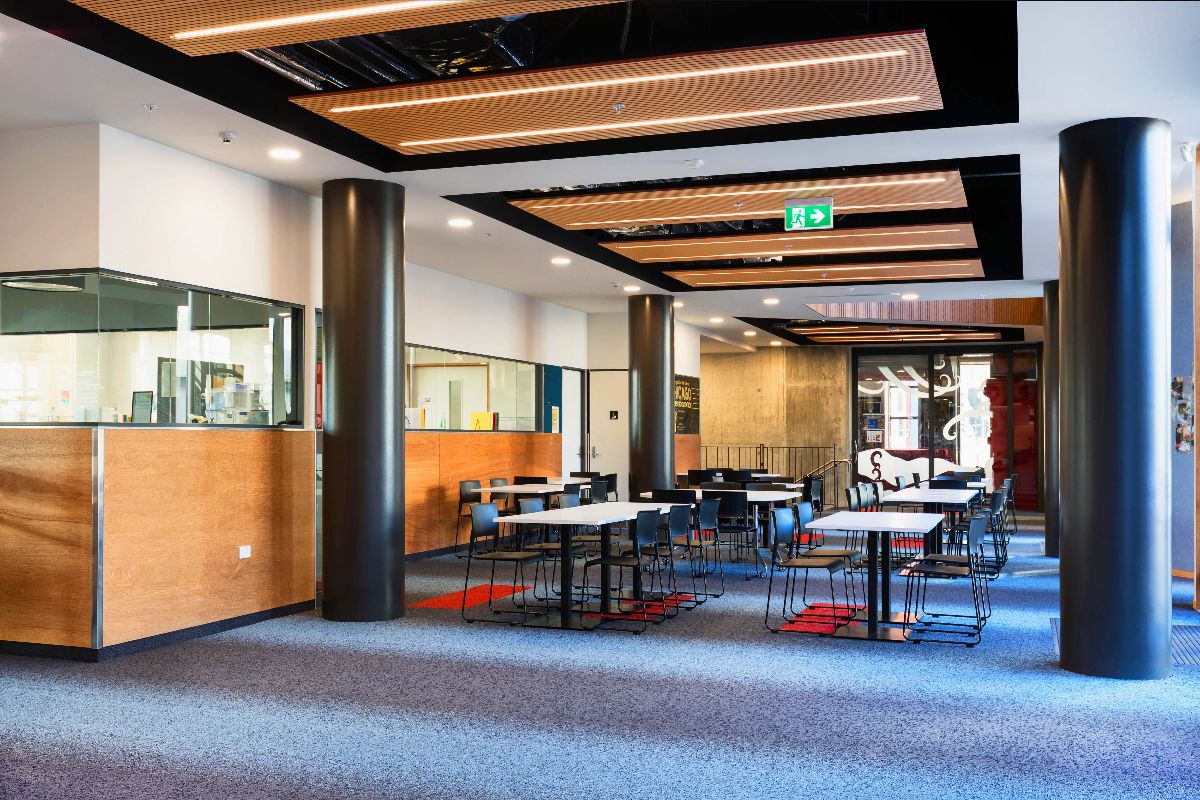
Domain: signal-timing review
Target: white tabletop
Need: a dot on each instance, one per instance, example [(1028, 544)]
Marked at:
[(970, 484), (525, 488), (562, 479), (593, 514), (954, 497), (884, 521), (752, 495)]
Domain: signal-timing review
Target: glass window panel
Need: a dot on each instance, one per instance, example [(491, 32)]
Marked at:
[(970, 419), (1025, 427), (49, 369), (457, 391), (891, 393)]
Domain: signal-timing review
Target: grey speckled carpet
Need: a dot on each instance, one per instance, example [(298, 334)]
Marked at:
[(707, 706)]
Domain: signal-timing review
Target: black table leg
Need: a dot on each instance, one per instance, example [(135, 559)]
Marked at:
[(565, 579), (605, 575), (885, 576), (872, 583)]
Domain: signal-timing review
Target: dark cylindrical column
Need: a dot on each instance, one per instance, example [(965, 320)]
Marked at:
[(1114, 381), (651, 393), (362, 519), (1050, 489)]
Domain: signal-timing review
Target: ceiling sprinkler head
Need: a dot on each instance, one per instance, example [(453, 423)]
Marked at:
[(694, 163), (618, 108), (227, 136)]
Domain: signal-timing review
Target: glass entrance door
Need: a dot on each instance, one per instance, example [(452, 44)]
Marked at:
[(924, 414)]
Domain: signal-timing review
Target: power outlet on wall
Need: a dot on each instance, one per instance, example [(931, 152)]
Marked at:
[(244, 551)]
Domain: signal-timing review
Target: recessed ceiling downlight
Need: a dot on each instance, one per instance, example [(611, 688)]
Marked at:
[(284, 153), (46, 284)]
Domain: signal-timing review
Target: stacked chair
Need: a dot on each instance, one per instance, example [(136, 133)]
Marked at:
[(923, 625)]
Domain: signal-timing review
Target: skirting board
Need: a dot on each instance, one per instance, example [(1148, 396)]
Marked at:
[(150, 642)]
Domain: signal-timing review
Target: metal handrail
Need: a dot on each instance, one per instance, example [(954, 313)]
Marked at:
[(821, 470)]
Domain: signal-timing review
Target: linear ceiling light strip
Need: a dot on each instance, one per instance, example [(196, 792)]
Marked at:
[(308, 19), (873, 248), (748, 214), (834, 279), (670, 76), (850, 234), (823, 187), (653, 123)]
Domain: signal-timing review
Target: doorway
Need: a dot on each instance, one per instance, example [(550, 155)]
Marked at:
[(608, 425)]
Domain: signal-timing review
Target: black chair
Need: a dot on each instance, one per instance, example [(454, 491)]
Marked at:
[(917, 479), (599, 492), (569, 490), (767, 487), (739, 475), (699, 476), (812, 543), (922, 625), (785, 557), (645, 536), (947, 483), (485, 525), (611, 480), (545, 541), (506, 505), (901, 482), (736, 529), (468, 494), (729, 485), (584, 475), (815, 493), (707, 526)]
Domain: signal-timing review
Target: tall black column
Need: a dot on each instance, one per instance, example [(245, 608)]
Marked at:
[(651, 393), (1049, 386), (362, 515), (1114, 384)]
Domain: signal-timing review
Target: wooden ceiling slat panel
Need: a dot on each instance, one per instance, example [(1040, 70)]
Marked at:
[(997, 311), (161, 19), (896, 239), (838, 333), (955, 269), (547, 106), (914, 191)]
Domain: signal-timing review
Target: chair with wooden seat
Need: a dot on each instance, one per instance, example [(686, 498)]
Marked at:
[(786, 558), (545, 541), (485, 525), (468, 494)]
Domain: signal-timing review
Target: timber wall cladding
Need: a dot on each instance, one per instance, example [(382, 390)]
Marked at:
[(434, 463), (177, 506), (687, 452), (46, 536)]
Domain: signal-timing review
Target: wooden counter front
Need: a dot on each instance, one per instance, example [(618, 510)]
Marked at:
[(434, 463), (46, 536), (179, 503)]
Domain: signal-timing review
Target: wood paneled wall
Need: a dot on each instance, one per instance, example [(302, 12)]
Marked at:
[(792, 396), (46, 536), (687, 451), (179, 503), (436, 462)]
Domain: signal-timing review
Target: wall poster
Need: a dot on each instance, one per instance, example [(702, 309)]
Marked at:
[(687, 404)]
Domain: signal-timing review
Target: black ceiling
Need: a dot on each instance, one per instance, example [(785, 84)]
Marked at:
[(779, 328), (992, 185), (974, 48)]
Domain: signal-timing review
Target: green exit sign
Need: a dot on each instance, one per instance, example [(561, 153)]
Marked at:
[(811, 213)]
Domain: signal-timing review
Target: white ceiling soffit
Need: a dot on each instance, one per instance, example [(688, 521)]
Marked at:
[(1119, 59)]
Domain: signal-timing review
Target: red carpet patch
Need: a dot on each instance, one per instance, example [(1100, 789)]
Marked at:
[(475, 596), (822, 618), (655, 608)]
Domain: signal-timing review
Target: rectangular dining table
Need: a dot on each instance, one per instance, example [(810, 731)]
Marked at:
[(879, 525), (594, 515)]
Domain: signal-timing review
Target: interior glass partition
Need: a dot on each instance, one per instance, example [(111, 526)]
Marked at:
[(448, 390), (927, 413), (98, 346), (892, 434)]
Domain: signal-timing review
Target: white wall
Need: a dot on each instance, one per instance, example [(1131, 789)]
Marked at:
[(49, 199), (608, 344), (167, 214), (454, 313)]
